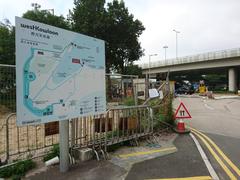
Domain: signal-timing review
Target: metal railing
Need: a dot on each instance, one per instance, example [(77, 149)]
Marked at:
[(24, 141), (117, 125), (121, 123), (98, 132), (229, 53)]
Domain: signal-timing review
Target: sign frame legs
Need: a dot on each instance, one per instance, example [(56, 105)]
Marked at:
[(64, 145)]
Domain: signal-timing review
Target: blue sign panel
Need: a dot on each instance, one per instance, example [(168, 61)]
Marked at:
[(60, 74)]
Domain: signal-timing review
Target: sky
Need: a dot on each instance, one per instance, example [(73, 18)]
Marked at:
[(204, 25)]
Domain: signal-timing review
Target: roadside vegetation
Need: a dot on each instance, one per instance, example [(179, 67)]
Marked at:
[(52, 153), (163, 114), (17, 170)]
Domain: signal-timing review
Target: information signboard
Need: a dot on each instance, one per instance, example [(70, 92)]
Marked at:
[(59, 74)]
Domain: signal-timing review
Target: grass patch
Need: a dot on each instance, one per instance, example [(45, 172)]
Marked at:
[(128, 101), (17, 170), (52, 153)]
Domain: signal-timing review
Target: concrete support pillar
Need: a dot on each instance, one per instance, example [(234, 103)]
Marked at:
[(232, 79)]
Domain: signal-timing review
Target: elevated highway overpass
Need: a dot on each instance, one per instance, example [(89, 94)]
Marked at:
[(227, 59)]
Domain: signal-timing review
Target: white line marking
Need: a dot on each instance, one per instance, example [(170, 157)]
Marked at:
[(205, 159), (208, 107), (227, 97)]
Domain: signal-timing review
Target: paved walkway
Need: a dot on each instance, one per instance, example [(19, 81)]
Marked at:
[(148, 161), (187, 162), (119, 164)]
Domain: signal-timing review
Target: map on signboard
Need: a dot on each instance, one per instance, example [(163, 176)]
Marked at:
[(60, 74), (182, 112)]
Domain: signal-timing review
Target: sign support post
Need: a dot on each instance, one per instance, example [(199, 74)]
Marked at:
[(64, 145)]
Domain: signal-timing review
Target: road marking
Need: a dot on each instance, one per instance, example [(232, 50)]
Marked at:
[(226, 107), (205, 159), (220, 162), (208, 107), (230, 163), (147, 152), (186, 178)]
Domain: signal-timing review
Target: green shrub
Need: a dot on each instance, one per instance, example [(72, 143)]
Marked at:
[(159, 117), (170, 114), (129, 101), (18, 170), (163, 114), (53, 153), (153, 102)]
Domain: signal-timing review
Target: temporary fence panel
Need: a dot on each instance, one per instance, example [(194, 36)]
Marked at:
[(119, 124)]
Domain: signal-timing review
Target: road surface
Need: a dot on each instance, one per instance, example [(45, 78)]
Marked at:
[(214, 116), (219, 120)]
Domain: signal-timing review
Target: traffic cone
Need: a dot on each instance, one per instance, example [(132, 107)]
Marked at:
[(181, 127)]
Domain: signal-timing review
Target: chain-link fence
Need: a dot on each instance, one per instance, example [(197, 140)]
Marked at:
[(7, 89)]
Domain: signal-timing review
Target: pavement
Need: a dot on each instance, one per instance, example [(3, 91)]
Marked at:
[(187, 162), (90, 170), (174, 156), (117, 167)]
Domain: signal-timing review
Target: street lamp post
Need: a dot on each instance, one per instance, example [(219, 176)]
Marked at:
[(165, 47), (176, 42), (149, 64), (36, 6)]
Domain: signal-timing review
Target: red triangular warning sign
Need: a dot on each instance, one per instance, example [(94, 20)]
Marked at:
[(182, 112)]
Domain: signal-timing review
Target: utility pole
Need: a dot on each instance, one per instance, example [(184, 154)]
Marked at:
[(35, 6), (165, 47), (176, 42)]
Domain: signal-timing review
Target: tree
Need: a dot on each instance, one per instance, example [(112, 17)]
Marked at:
[(133, 70), (7, 74), (88, 17), (7, 44), (123, 33), (113, 24), (46, 17)]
